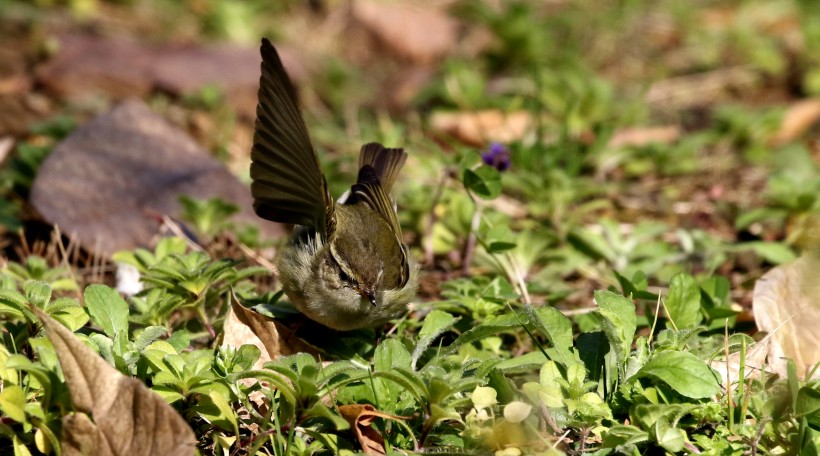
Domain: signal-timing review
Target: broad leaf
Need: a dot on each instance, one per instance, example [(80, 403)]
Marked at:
[(484, 181), (435, 323), (616, 314), (550, 322), (682, 371), (107, 309), (683, 302)]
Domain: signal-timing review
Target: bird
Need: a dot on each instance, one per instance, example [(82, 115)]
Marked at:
[(345, 265)]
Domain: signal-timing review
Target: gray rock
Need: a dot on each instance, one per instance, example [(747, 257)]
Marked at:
[(107, 183)]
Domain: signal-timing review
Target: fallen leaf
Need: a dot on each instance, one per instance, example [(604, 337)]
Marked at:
[(754, 363), (231, 68), (360, 417), (121, 68), (786, 304), (18, 111), (241, 326), (481, 127), (109, 183), (245, 326), (87, 64), (641, 136), (701, 89), (128, 418), (799, 117), (420, 33)]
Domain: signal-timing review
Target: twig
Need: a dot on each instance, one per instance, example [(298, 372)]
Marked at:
[(259, 259), (472, 238), (759, 434), (59, 241), (177, 231), (429, 256)]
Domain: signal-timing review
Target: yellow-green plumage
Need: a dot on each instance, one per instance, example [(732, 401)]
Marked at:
[(346, 266)]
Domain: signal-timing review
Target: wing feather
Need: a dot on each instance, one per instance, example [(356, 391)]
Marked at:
[(287, 182)]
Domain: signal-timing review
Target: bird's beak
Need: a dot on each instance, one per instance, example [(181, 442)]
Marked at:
[(371, 296)]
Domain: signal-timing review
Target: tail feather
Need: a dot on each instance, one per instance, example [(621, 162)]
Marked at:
[(386, 163)]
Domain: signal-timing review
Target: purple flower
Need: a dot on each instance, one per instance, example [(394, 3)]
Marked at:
[(497, 156)]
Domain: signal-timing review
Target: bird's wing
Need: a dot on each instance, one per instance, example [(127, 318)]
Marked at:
[(368, 190), (287, 183)]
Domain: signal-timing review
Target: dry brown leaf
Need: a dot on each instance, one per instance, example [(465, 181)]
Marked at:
[(128, 418), (120, 67), (787, 305), (641, 136), (419, 33), (479, 128), (754, 363), (701, 89), (245, 326), (360, 417), (799, 117)]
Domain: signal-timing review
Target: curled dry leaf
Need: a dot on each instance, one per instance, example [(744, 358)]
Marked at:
[(479, 128), (799, 117), (641, 136), (128, 418), (702, 89), (754, 363), (360, 417), (787, 305), (244, 326), (420, 33)]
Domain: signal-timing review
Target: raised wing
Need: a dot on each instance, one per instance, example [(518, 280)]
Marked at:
[(287, 183)]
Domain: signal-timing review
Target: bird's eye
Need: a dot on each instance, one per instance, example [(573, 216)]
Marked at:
[(343, 276)]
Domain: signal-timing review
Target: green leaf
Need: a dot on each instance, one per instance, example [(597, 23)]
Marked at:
[(246, 356), (550, 322), (524, 363), (491, 327), (435, 323), (19, 448), (72, 317), (623, 435), (321, 410), (225, 409), (37, 292), (670, 438), (148, 335), (773, 252), (13, 403), (14, 303), (683, 302), (408, 380), (484, 181), (499, 238), (808, 405), (592, 349), (682, 371), (616, 314), (391, 354), (107, 309)]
